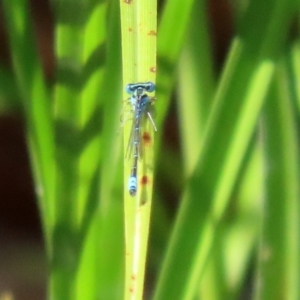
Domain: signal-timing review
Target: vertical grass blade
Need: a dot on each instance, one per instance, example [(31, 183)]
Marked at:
[(138, 24), (295, 68), (196, 85), (279, 252)]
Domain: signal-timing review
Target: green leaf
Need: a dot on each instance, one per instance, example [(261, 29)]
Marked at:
[(243, 87), (279, 249), (138, 26)]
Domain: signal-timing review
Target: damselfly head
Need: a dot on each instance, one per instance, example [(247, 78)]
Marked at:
[(140, 88), (129, 89), (150, 87)]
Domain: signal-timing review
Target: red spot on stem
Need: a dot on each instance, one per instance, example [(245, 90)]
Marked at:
[(143, 202), (152, 32), (127, 1), (144, 180), (153, 69), (146, 138)]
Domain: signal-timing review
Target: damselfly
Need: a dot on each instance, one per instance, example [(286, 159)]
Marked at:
[(140, 103)]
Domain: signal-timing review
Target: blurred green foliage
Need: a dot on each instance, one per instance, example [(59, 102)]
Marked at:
[(234, 180)]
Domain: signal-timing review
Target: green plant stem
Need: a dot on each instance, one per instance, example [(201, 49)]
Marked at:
[(279, 252), (196, 85), (243, 88), (138, 25)]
